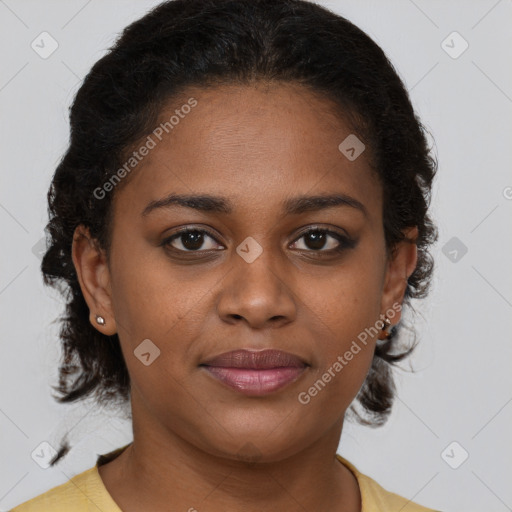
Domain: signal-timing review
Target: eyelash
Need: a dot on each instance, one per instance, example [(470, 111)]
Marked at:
[(344, 241)]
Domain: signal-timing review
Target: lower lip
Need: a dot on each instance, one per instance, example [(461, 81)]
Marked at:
[(255, 382)]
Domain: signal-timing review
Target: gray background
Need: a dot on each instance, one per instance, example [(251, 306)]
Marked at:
[(461, 388)]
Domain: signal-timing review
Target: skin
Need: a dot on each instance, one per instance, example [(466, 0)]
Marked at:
[(194, 437)]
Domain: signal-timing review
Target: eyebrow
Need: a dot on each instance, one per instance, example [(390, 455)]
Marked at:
[(217, 204)]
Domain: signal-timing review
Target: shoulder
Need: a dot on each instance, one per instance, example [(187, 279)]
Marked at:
[(83, 492), (377, 499), (62, 496)]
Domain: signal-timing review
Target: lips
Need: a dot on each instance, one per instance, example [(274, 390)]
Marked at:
[(255, 373), (260, 360)]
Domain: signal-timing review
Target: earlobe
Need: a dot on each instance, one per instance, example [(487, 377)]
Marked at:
[(94, 278), (400, 266)]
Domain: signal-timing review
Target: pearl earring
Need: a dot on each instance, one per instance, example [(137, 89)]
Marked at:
[(385, 333), (100, 320)]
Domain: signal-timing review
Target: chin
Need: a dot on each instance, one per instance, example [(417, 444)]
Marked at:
[(245, 442)]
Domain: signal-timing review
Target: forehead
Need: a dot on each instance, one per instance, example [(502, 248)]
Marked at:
[(251, 142)]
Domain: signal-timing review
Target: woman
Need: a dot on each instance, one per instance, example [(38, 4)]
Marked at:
[(240, 217)]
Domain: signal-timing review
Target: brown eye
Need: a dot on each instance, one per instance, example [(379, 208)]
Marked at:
[(323, 240), (191, 240)]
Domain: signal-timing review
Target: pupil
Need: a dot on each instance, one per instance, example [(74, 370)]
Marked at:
[(317, 238), (197, 240)]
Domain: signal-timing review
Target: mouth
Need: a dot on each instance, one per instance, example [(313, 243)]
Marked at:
[(255, 373)]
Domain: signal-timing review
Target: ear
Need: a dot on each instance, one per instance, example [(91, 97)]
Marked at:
[(401, 265), (94, 278)]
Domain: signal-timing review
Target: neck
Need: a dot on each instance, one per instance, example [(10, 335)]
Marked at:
[(161, 469)]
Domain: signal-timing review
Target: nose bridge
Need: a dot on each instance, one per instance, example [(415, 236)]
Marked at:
[(255, 289)]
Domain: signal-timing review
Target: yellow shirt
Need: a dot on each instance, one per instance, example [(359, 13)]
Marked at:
[(86, 493)]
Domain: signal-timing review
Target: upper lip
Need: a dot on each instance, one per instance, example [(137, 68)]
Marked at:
[(257, 360)]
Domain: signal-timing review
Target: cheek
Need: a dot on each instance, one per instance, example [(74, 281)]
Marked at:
[(346, 319), (151, 298), (346, 310), (348, 300), (167, 305)]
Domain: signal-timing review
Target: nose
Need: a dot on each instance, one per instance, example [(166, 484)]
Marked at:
[(256, 293)]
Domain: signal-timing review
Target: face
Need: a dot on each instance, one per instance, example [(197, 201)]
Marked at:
[(260, 268)]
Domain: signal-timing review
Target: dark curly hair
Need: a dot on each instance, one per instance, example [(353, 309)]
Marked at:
[(206, 43)]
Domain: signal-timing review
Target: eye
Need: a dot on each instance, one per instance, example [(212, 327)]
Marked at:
[(315, 240), (191, 240), (324, 240)]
